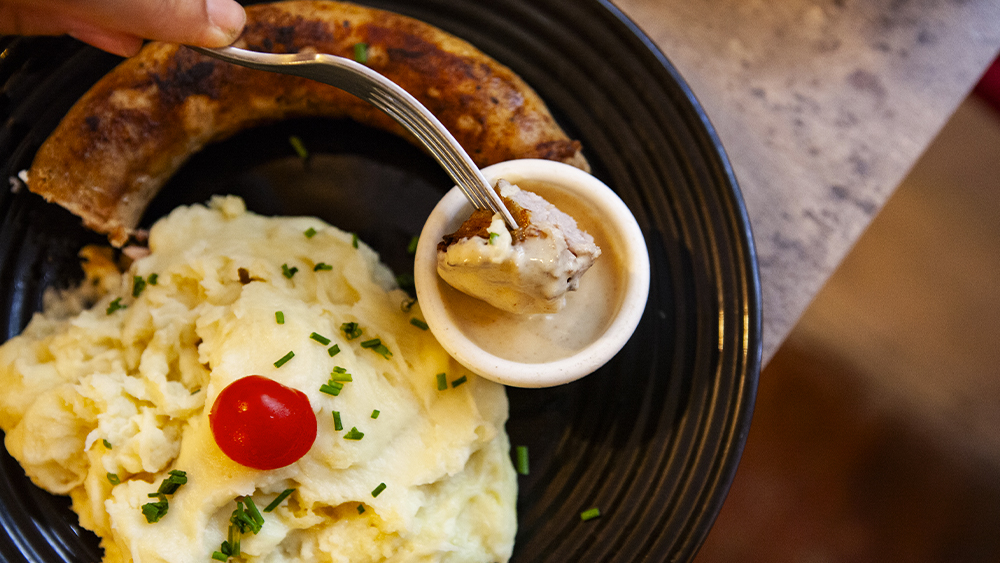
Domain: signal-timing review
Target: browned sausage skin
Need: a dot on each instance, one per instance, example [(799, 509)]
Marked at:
[(128, 134)]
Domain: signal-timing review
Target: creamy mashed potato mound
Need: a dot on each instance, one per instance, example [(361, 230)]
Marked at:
[(142, 380)]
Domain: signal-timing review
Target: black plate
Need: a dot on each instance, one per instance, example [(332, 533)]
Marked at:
[(652, 439)]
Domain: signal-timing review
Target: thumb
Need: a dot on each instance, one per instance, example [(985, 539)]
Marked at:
[(121, 25), (205, 23)]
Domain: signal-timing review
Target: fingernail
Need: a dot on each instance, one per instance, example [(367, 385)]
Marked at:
[(228, 17)]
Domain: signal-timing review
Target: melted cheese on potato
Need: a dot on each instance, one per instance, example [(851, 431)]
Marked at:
[(142, 379)]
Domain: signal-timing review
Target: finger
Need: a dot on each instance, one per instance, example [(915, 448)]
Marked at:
[(111, 41), (207, 23)]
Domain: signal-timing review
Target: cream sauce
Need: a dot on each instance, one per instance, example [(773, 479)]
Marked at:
[(547, 337)]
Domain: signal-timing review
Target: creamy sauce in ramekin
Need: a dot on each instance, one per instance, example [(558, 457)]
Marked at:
[(547, 337)]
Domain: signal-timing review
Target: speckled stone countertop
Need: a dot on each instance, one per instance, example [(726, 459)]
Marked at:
[(823, 107)]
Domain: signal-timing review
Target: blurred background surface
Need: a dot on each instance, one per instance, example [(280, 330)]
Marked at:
[(876, 434)]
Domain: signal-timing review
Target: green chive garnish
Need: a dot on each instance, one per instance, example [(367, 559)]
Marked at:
[(376, 346), (351, 330), (153, 511), (340, 374), (378, 490), (331, 388), (412, 247), (375, 413), (320, 338), (116, 305), (173, 482), (354, 240), (113, 479), (322, 266), (107, 444), (459, 381), (196, 391), (254, 513), (361, 53), (277, 500), (138, 284), (361, 509), (590, 514), (418, 323), (334, 350), (279, 317), (521, 453), (288, 272), (442, 381), (310, 232), (407, 304), (337, 424), (284, 359), (354, 434), (299, 146), (219, 556), (493, 237), (151, 280)]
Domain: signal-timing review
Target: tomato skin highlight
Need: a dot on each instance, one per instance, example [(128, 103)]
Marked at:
[(262, 424)]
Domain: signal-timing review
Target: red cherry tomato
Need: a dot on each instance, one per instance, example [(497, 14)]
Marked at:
[(260, 423)]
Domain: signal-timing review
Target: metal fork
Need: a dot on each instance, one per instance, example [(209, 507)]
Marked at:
[(363, 82)]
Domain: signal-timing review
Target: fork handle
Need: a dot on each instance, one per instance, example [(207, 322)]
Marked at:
[(363, 82)]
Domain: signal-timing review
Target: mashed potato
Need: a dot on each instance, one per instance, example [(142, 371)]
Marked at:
[(102, 394)]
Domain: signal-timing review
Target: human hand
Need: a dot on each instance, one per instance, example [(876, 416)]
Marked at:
[(120, 26)]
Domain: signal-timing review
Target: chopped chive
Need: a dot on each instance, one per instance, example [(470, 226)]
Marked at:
[(254, 513), (107, 444), (115, 306), (521, 453), (412, 247), (337, 424), (113, 479), (442, 380), (361, 509), (322, 266), (340, 374), (361, 53), (299, 146), (354, 434), (459, 381), (418, 323), (284, 359), (138, 285), (170, 485), (219, 556), (493, 237), (378, 490), (354, 240), (334, 350), (331, 388), (590, 514), (376, 346), (351, 330), (153, 511), (288, 272), (320, 338), (310, 232), (375, 413), (151, 280), (196, 391), (277, 500), (407, 304), (279, 317)]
